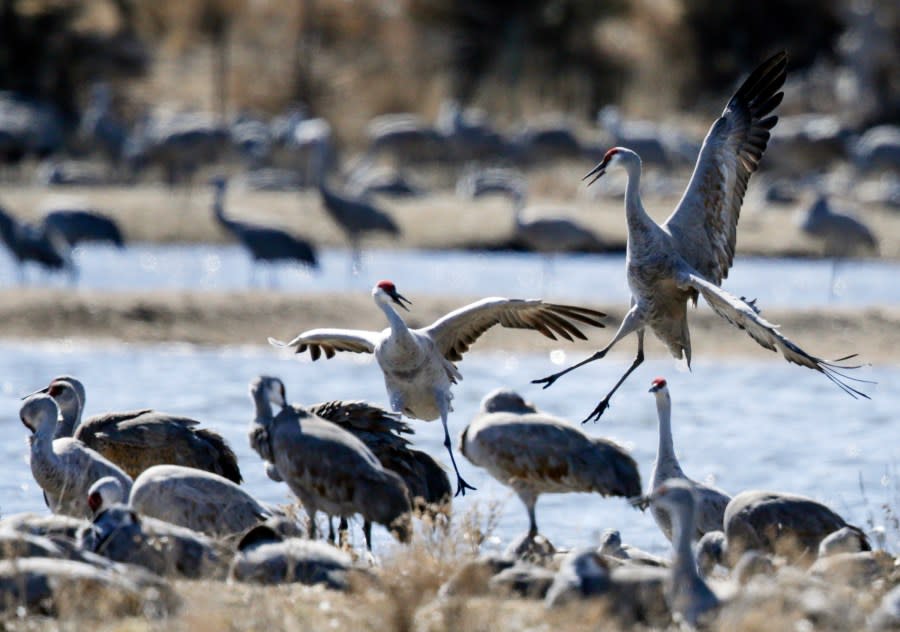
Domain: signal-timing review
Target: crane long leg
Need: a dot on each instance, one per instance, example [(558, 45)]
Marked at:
[(461, 485), (530, 500), (367, 531), (312, 525), (604, 403), (331, 530), (632, 322), (343, 531)]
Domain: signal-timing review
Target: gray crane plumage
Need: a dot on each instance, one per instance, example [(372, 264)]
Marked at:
[(841, 235), (198, 500), (382, 432), (688, 595), (46, 586), (139, 439), (535, 453), (418, 364), (538, 229), (781, 523), (356, 216), (690, 253), (709, 503), (266, 557), (78, 226), (27, 242), (325, 466), (264, 243), (65, 468), (121, 534)]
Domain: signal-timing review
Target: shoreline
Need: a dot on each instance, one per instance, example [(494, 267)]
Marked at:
[(249, 317)]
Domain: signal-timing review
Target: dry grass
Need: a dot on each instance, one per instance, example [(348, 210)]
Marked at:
[(403, 595)]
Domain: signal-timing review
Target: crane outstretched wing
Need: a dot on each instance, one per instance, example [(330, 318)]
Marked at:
[(330, 341), (704, 224), (746, 316), (455, 332)]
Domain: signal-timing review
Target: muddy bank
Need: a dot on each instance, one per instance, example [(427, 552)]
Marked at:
[(250, 317)]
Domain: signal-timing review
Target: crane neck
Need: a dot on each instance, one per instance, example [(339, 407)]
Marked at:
[(263, 406), (638, 221), (42, 455), (69, 420), (684, 565), (219, 206), (665, 451), (399, 328)]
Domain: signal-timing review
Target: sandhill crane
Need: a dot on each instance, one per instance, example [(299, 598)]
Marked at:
[(710, 503), (325, 466), (878, 148), (355, 216), (33, 243), (535, 453), (687, 592), (65, 468), (122, 534), (266, 557), (841, 235), (177, 142), (365, 181), (691, 252), (418, 364), (42, 586), (50, 525), (190, 498), (611, 546), (80, 225), (99, 126), (844, 540), (710, 550), (780, 523), (535, 227), (405, 136), (139, 439), (264, 243), (381, 431)]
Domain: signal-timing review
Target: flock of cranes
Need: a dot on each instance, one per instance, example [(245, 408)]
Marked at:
[(158, 489)]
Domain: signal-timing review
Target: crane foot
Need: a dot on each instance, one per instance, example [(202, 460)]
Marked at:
[(547, 381), (462, 486), (597, 412)]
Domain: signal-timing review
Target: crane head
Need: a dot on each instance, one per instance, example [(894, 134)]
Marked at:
[(608, 159), (389, 289), (673, 494), (657, 385)]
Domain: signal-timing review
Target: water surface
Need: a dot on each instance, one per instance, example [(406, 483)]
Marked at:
[(596, 278), (740, 424)]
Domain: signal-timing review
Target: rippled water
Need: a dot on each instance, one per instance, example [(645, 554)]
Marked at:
[(741, 424), (598, 278)]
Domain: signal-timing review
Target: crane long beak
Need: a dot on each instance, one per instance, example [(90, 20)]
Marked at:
[(41, 390), (596, 172), (640, 502), (399, 298)]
